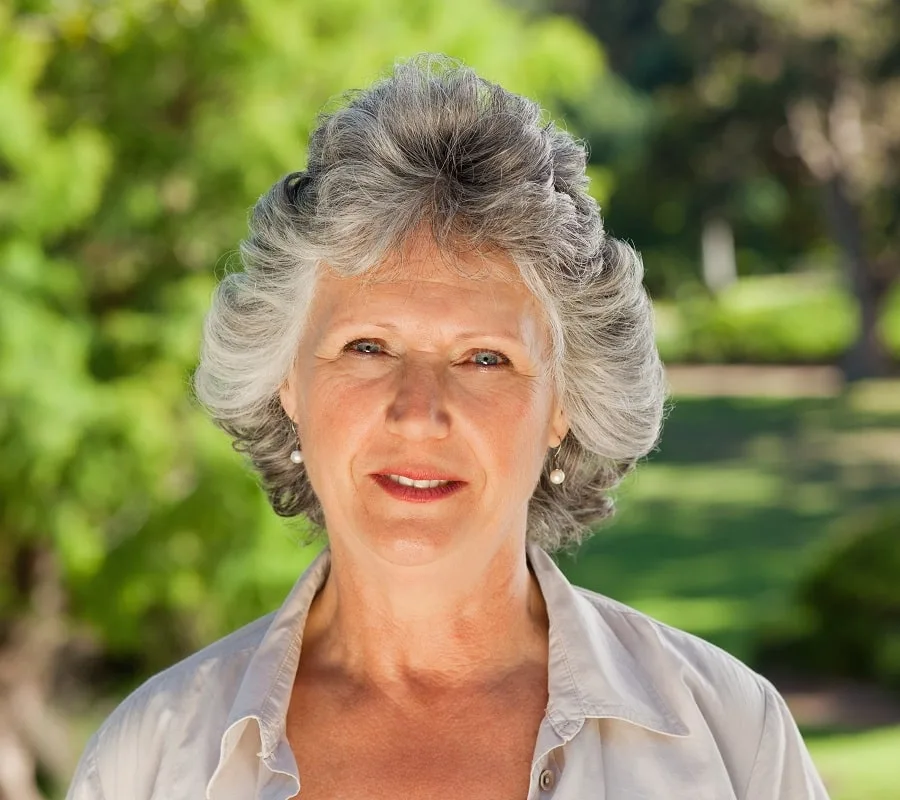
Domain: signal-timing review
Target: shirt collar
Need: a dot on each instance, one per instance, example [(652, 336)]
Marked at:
[(260, 706), (591, 672)]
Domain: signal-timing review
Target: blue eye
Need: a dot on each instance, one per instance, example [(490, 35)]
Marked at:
[(490, 358), (365, 347)]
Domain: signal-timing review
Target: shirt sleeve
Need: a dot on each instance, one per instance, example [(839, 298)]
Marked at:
[(121, 760), (783, 769), (85, 784)]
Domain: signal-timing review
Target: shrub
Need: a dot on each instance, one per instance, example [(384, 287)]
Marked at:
[(792, 318), (850, 606)]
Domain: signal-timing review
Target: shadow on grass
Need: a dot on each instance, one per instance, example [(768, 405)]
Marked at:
[(813, 733)]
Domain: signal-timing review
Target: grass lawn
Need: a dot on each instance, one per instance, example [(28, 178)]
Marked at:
[(859, 766), (714, 530)]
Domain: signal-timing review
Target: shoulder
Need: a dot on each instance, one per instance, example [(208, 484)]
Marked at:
[(201, 683), (736, 711), (687, 660), (189, 701)]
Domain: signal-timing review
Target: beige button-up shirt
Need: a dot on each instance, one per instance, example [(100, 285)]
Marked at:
[(637, 711)]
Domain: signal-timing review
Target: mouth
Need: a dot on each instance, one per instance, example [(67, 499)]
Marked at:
[(418, 489), (418, 484)]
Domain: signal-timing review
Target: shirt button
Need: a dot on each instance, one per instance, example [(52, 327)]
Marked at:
[(546, 780)]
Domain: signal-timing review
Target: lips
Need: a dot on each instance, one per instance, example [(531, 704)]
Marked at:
[(403, 486)]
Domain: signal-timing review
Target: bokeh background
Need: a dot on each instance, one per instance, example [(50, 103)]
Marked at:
[(749, 148)]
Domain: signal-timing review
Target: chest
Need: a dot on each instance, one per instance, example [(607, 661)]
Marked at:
[(472, 747)]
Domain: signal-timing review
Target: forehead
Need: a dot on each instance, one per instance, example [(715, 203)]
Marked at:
[(480, 287)]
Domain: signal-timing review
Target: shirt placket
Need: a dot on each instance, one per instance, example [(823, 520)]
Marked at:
[(548, 763)]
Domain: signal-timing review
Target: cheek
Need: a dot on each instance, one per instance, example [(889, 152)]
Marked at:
[(513, 424), (334, 411), (338, 427)]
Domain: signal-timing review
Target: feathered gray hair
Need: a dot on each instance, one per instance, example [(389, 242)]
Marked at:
[(434, 144)]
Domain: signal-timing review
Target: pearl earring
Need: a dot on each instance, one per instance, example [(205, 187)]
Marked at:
[(557, 476), (296, 456)]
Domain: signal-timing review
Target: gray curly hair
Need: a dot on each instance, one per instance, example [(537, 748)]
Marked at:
[(434, 144)]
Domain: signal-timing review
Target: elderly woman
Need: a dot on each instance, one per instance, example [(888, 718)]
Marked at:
[(437, 355)]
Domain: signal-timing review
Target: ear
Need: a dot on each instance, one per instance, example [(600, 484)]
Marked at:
[(288, 399), (559, 426)]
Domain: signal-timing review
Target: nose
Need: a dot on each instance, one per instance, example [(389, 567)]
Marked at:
[(418, 409)]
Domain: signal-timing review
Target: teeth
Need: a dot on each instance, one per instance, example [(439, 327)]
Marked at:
[(417, 484)]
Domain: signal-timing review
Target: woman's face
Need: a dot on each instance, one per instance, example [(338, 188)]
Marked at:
[(429, 367)]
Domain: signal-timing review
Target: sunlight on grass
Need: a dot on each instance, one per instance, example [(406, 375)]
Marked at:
[(704, 616), (723, 484), (878, 397), (859, 766)]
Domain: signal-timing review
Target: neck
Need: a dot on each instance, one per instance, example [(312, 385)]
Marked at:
[(443, 625)]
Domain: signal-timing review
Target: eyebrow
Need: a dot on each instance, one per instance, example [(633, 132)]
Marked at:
[(462, 336)]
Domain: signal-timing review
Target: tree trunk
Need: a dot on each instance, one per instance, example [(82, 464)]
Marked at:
[(827, 143), (719, 258), (32, 735), (17, 764), (867, 356)]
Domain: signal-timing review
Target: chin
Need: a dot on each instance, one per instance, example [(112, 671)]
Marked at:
[(411, 543)]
